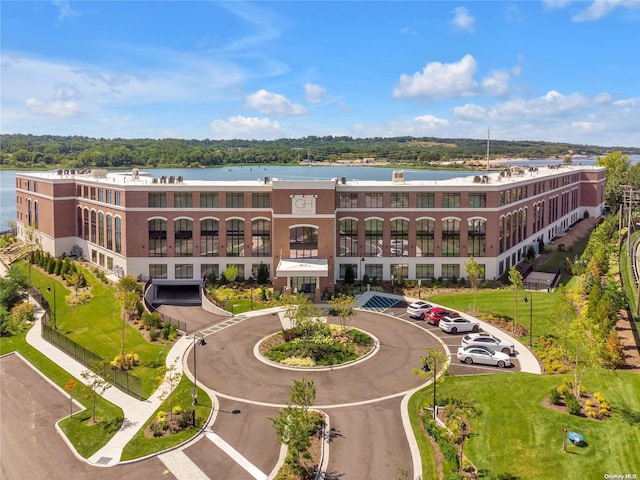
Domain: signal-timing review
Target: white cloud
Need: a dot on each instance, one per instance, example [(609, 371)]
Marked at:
[(462, 20), (246, 128), (440, 80), (407, 31), (314, 93), (65, 10), (597, 10), (496, 83), (56, 108), (556, 4), (513, 13), (269, 103)]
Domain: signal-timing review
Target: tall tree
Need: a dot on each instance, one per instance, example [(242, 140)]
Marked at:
[(515, 284), (474, 274), (617, 166)]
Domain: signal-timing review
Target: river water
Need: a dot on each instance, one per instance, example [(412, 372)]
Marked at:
[(254, 172)]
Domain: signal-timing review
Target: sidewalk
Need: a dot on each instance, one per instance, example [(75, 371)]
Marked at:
[(136, 412)]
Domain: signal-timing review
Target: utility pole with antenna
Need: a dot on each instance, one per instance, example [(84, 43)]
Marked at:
[(488, 137)]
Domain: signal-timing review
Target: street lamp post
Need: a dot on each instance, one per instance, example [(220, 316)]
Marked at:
[(361, 273), (530, 300), (202, 343), (425, 368), (55, 319), (251, 279)]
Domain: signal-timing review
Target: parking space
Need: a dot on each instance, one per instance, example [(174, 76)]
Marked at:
[(452, 341)]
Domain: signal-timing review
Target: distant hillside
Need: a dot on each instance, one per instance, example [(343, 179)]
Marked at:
[(49, 151)]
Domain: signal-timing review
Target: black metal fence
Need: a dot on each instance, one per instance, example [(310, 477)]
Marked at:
[(122, 379)]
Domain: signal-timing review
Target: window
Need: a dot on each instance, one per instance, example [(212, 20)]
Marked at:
[(235, 237), (182, 200), (239, 268), (399, 238), (425, 237), (110, 264), (101, 194), (109, 196), (260, 200), (348, 237), (450, 200), (101, 259), (94, 255), (101, 229), (36, 214), (29, 213), (79, 222), (477, 200), (477, 237), (303, 284), (157, 200), (93, 193), (399, 200), (157, 270), (209, 240), (303, 242), (425, 200), (235, 200), (346, 266), (157, 238), (450, 270), (373, 200), (109, 231), (261, 238), (184, 271), (208, 269), (85, 224), (373, 271), (451, 237), (183, 236), (348, 200), (208, 200), (85, 191), (117, 193), (425, 271), (373, 237), (399, 271), (118, 239), (94, 226)]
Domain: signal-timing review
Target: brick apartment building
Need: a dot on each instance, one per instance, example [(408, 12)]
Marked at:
[(306, 232)]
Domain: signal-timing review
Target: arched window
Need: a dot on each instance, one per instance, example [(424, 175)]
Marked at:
[(36, 213), (235, 237), (118, 237), (85, 224), (425, 237), (451, 237), (29, 213), (94, 226), (399, 237), (79, 222), (477, 237), (261, 237), (183, 236), (303, 242), (157, 237), (507, 231), (373, 237), (101, 229), (109, 231), (209, 240), (348, 237), (501, 223)]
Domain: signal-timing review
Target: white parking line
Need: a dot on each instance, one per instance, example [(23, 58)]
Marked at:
[(236, 456)]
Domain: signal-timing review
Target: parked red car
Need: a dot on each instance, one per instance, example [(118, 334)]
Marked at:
[(433, 315)]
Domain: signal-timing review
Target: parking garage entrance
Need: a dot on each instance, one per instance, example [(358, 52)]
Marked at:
[(172, 292)]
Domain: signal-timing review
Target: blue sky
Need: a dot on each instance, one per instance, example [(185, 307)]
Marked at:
[(554, 71)]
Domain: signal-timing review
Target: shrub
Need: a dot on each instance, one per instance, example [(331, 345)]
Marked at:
[(151, 320), (186, 418), (177, 410), (573, 406), (555, 396), (154, 334)]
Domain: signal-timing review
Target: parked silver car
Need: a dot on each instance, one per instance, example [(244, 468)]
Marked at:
[(483, 355), (458, 324), (418, 309)]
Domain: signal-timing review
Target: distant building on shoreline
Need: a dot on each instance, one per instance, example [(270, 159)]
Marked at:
[(307, 233)]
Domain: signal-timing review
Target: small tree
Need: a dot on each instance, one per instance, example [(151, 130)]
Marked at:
[(97, 384), (429, 365), (349, 275), (230, 273), (263, 274), (303, 394), (76, 280), (474, 274), (515, 281), (171, 380), (343, 305)]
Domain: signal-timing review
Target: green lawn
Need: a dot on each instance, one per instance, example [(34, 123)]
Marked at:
[(97, 326), (85, 438), (504, 302), (242, 305), (517, 437)]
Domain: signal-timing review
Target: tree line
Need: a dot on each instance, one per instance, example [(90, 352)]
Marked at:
[(51, 151)]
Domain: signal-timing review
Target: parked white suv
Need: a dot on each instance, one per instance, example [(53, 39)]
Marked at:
[(418, 309), (458, 324)]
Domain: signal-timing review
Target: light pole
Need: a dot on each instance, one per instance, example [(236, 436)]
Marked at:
[(251, 290), (202, 343), (55, 319), (525, 300), (425, 368), (361, 273)]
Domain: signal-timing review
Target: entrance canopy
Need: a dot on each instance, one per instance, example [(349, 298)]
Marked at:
[(303, 267)]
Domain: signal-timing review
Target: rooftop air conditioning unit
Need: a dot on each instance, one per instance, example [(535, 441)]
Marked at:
[(135, 174), (398, 176), (343, 180)]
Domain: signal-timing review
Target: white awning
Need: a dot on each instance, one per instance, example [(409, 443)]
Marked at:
[(307, 267)]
